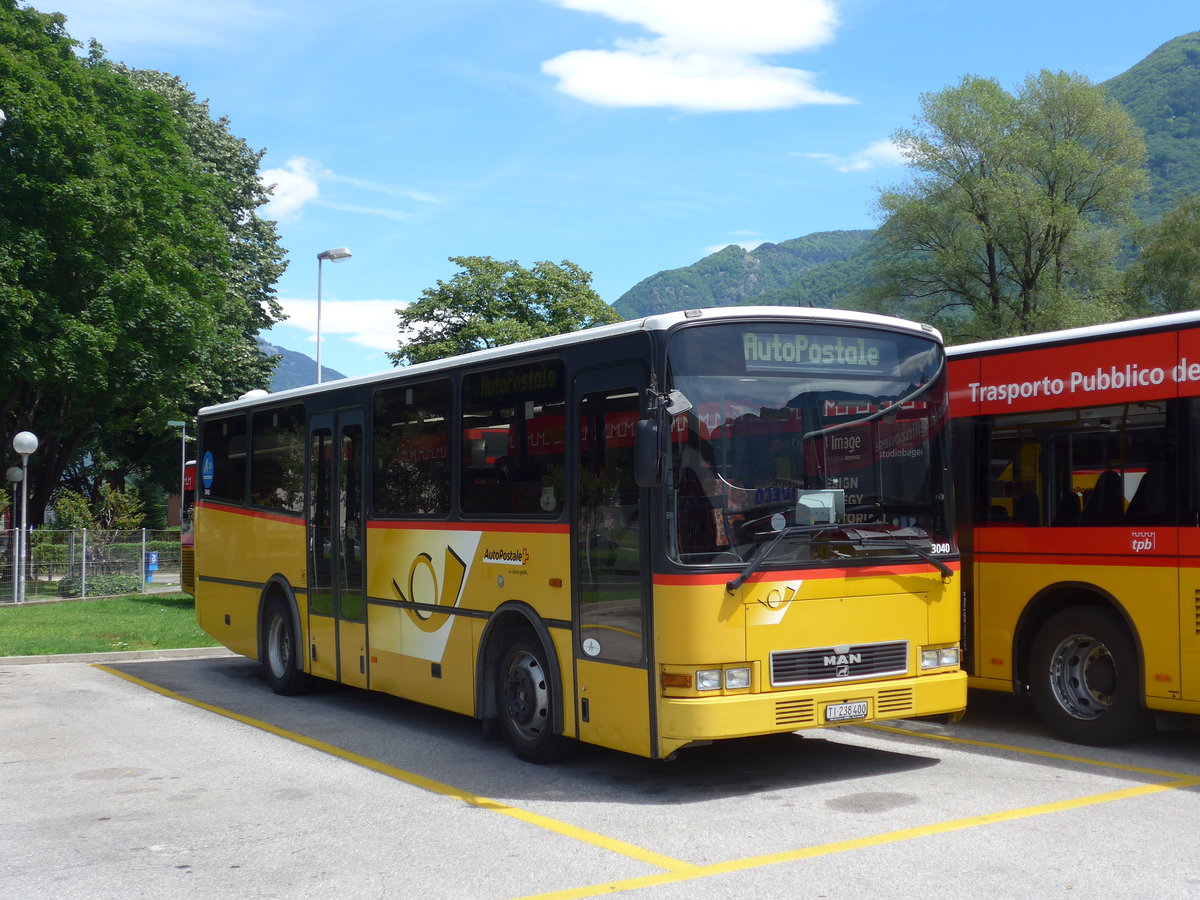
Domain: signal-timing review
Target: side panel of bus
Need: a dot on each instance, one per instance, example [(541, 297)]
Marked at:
[(442, 582), (1077, 494)]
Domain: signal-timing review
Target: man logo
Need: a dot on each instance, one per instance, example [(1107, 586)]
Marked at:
[(843, 661)]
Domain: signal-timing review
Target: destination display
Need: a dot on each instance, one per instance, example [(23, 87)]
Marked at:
[(769, 351)]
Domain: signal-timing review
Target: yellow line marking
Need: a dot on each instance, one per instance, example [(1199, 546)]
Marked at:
[(562, 828), (876, 840), (676, 871), (1027, 751)]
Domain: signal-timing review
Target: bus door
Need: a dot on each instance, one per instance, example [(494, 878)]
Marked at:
[(611, 583), (336, 543)]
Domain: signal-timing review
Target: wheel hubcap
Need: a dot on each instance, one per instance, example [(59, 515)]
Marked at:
[(1083, 676), (526, 697), (279, 647)]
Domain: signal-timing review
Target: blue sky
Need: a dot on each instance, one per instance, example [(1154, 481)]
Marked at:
[(628, 136)]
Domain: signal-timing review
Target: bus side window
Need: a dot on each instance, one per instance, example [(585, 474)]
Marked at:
[(513, 423), (1098, 466)]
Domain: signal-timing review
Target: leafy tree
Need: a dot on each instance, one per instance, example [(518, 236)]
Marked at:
[(489, 303), (1011, 222), (114, 509), (134, 273), (1166, 276)]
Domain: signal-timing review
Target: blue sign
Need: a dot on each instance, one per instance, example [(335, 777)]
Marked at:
[(207, 467)]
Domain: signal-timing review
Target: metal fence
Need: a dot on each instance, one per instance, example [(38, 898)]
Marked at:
[(89, 563)]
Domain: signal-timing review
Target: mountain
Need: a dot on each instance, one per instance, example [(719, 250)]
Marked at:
[(1162, 95), (295, 369), (815, 270)]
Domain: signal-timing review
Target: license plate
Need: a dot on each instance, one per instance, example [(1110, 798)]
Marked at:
[(843, 712)]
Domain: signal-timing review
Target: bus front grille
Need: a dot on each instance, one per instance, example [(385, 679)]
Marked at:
[(818, 664)]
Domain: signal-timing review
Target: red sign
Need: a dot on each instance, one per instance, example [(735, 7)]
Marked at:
[(1115, 370)]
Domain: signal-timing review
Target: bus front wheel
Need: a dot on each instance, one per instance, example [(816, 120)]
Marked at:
[(525, 698), (1085, 680), (280, 657)]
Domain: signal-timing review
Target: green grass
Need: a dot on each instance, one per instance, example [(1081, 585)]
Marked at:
[(141, 622)]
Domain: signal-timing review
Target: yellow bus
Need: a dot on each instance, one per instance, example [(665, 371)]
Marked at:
[(645, 536), (1079, 502)]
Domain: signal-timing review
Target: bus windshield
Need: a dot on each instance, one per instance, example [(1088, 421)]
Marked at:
[(830, 437)]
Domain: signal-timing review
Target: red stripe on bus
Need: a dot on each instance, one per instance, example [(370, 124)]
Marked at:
[(503, 527), (1102, 543), (1078, 561), (251, 513), (798, 574)]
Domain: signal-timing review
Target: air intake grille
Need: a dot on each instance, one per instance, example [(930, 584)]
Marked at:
[(187, 573), (820, 664), (895, 703), (795, 713)]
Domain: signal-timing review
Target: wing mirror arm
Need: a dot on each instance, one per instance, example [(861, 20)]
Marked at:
[(652, 440)]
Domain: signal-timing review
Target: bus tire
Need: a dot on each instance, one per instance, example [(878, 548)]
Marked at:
[(525, 701), (281, 651), (1085, 679)]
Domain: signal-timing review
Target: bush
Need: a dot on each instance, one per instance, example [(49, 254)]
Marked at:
[(100, 585)]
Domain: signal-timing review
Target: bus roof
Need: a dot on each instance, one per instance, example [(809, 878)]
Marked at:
[(662, 322), (1167, 322)]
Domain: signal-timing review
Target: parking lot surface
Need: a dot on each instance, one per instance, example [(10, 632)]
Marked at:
[(154, 778)]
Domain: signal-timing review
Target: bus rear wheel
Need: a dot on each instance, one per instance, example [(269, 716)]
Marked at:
[(1085, 678), (525, 701), (280, 657)]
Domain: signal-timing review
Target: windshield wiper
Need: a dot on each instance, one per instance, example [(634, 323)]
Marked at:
[(882, 540), (764, 551), (883, 411)]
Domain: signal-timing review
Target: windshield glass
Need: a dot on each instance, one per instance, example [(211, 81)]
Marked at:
[(832, 433)]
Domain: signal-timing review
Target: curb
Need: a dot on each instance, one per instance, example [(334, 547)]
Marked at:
[(118, 656)]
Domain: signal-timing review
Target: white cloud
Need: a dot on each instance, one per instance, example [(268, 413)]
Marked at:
[(878, 154), (292, 187), (368, 323), (298, 184), (705, 58)]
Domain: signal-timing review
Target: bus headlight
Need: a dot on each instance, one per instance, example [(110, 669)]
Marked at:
[(940, 657), (737, 679), (708, 680)]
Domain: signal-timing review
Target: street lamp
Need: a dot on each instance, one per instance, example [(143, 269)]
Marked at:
[(337, 254), (182, 462), (14, 476), (25, 443)]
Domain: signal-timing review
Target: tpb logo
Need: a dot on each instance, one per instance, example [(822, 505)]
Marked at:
[(1142, 541)]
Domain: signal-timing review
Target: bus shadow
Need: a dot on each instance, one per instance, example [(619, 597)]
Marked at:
[(451, 749)]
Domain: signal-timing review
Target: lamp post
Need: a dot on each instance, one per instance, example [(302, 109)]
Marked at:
[(14, 476), (337, 254), (25, 443), (182, 461)]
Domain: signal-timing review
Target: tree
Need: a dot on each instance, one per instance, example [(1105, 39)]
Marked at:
[(134, 273), (1012, 220), (491, 303), (114, 509), (1166, 276)]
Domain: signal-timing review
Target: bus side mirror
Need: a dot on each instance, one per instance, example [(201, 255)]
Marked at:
[(648, 456)]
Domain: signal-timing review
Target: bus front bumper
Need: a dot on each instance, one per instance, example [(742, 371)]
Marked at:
[(813, 706)]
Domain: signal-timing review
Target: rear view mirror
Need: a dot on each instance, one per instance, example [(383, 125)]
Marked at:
[(647, 454)]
